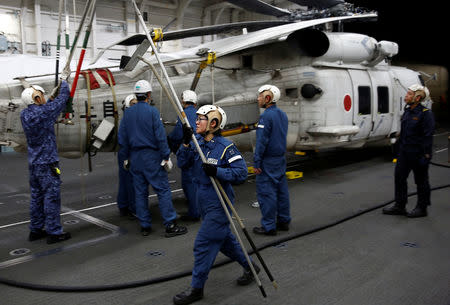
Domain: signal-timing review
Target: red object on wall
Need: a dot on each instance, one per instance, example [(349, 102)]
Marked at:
[(347, 103)]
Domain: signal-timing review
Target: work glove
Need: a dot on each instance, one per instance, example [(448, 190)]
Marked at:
[(55, 92), (126, 165), (168, 165), (65, 74), (187, 134), (210, 169)]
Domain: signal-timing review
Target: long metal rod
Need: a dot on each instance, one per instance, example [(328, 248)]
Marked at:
[(250, 240), (58, 41), (77, 34), (69, 108), (194, 139), (67, 28)]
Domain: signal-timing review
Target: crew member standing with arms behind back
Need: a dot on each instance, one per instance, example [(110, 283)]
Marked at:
[(270, 164), (38, 121), (414, 153)]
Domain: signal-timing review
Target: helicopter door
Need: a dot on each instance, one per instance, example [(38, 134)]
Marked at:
[(382, 107), (362, 97)]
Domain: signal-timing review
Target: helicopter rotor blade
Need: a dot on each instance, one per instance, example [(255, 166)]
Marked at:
[(319, 4), (261, 7)]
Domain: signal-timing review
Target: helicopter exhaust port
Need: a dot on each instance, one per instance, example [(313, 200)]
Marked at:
[(311, 42)]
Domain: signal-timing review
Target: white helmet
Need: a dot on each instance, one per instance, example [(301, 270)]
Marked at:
[(275, 92), (420, 90), (28, 94), (142, 87), (189, 96), (126, 102), (213, 112)]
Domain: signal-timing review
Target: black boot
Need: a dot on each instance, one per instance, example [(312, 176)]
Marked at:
[(189, 296), (262, 231), (396, 209), (51, 239), (283, 226), (145, 231), (173, 230), (124, 212), (35, 235), (419, 211), (247, 277)]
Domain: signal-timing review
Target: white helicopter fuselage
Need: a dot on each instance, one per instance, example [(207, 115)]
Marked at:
[(347, 97)]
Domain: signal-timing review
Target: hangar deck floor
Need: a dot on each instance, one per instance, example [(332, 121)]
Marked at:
[(369, 259)]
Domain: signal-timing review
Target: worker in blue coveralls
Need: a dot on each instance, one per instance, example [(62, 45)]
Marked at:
[(414, 153), (270, 164), (38, 120), (175, 138), (226, 164), (144, 143), (125, 196)]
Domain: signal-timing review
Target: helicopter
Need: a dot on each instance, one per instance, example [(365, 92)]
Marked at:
[(338, 89)]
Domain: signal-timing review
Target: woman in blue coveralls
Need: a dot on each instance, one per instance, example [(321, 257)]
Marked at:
[(226, 163)]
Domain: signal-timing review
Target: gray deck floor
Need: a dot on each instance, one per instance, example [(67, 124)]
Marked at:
[(370, 259)]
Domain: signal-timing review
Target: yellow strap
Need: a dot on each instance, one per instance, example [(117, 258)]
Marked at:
[(225, 150), (158, 34)]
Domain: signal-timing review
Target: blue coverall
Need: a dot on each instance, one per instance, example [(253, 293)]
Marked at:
[(175, 138), (125, 196), (271, 184), (38, 124), (214, 234), (416, 140), (144, 143)]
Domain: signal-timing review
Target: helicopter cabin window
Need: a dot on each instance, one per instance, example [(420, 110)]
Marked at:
[(292, 92), (247, 61), (383, 99), (364, 99)]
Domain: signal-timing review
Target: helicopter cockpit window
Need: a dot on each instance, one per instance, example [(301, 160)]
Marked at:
[(247, 61), (383, 99), (364, 100), (292, 92)]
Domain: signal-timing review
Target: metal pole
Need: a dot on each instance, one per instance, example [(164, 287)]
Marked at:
[(69, 108), (67, 29), (77, 34), (58, 41), (194, 139)]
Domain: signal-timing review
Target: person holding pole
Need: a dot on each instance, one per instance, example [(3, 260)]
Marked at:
[(270, 164), (143, 141), (38, 122), (225, 163)]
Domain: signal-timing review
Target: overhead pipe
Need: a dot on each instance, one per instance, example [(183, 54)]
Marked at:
[(23, 14), (37, 25)]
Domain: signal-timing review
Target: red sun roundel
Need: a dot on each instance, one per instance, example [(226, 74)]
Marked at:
[(347, 102)]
